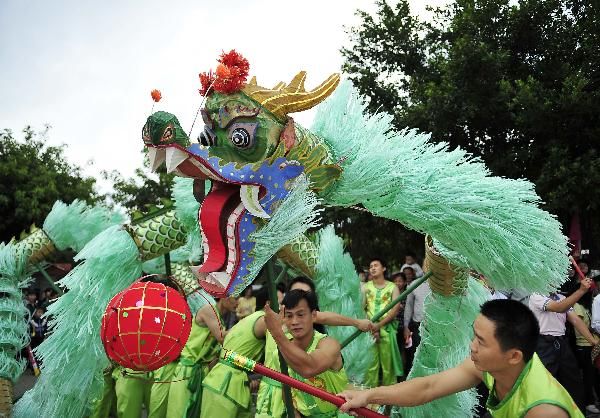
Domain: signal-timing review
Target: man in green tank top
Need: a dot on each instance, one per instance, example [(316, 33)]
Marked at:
[(312, 357), (177, 391), (503, 357), (269, 401)]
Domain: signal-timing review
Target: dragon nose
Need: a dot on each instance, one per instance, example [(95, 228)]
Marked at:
[(207, 137)]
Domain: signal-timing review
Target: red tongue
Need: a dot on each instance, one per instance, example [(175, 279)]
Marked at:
[(210, 216)]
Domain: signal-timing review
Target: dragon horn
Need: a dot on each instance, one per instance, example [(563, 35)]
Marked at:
[(293, 97)]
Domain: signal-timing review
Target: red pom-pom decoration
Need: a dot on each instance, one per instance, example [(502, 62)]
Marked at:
[(230, 76), (156, 96), (145, 326), (206, 80)]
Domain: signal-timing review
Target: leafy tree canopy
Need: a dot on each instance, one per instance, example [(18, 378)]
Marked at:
[(515, 83), (35, 175)]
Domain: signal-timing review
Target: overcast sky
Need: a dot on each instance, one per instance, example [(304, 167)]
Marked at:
[(87, 67)]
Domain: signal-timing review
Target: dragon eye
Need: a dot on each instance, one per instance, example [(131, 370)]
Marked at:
[(145, 133), (242, 134), (168, 134), (240, 138)]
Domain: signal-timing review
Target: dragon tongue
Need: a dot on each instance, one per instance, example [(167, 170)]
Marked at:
[(249, 196)]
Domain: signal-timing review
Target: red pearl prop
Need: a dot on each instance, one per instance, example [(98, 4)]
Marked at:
[(145, 326)]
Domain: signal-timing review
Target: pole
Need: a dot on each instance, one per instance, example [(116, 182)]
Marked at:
[(168, 264), (416, 283), (49, 279), (274, 303), (245, 363)]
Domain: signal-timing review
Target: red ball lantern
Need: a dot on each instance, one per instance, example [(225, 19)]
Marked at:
[(145, 326)]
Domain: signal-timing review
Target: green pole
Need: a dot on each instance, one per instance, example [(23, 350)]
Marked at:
[(416, 283), (49, 279), (287, 393), (168, 264)]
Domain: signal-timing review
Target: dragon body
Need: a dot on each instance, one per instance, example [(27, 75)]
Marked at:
[(267, 174)]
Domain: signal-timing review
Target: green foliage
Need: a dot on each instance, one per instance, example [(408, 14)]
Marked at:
[(141, 193), (515, 83), (366, 237), (35, 175)]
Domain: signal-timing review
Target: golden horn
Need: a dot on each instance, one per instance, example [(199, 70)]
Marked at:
[(293, 97)]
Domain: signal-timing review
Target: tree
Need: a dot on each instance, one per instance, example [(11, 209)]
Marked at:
[(35, 175), (517, 84), (140, 192)]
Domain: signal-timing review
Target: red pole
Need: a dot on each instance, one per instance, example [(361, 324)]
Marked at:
[(34, 365), (250, 365), (580, 273)]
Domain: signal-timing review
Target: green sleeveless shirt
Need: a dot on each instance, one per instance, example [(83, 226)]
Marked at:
[(377, 299), (330, 380), (535, 386), (229, 381)]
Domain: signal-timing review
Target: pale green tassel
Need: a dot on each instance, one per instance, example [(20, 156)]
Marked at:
[(296, 214), (446, 333), (198, 299), (73, 226), (13, 324), (338, 288), (186, 208), (72, 356), (494, 223)]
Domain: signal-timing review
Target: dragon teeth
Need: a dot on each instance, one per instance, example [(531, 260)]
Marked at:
[(249, 197), (174, 157), (157, 157)]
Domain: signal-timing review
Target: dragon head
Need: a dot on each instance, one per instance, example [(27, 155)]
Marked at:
[(243, 151)]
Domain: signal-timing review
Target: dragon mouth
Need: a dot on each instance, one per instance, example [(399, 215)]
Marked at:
[(226, 217)]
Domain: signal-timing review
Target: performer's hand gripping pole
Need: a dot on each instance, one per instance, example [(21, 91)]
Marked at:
[(250, 365)]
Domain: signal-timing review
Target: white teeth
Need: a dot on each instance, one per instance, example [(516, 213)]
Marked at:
[(174, 157), (249, 197), (156, 157)]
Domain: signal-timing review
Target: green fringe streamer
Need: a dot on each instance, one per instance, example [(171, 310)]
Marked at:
[(338, 288), (73, 226), (296, 214), (446, 333), (72, 356), (494, 223), (13, 327), (198, 299), (186, 208)]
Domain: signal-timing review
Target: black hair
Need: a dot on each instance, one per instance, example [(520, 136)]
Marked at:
[(281, 287), (293, 298), (381, 261), (302, 279), (398, 274), (167, 281), (515, 325), (410, 254), (408, 267)]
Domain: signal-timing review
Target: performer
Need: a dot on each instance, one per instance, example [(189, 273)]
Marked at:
[(313, 357), (226, 392), (269, 402), (386, 355), (503, 357), (183, 395)]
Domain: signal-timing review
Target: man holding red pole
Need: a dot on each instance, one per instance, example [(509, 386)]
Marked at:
[(312, 357)]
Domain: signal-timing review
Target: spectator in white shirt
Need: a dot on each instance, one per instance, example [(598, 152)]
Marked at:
[(553, 349), (410, 261)]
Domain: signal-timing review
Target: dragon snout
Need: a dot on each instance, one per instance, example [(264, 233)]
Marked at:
[(207, 137)]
